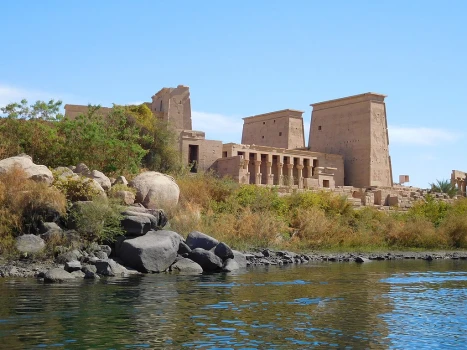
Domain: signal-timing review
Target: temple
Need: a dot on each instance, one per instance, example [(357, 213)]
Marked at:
[(348, 143)]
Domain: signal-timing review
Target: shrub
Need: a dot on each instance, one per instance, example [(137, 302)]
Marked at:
[(98, 220), (77, 188), (455, 229), (24, 204), (417, 232)]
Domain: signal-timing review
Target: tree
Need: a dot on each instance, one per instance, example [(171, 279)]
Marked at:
[(444, 186), (48, 111)]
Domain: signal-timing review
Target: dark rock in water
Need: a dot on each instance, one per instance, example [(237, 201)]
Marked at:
[(187, 266), (240, 258), (206, 259), (183, 248), (29, 244), (89, 268), (223, 251), (230, 265), (57, 275), (427, 258), (360, 259), (109, 268), (153, 252), (71, 266), (266, 253), (200, 240)]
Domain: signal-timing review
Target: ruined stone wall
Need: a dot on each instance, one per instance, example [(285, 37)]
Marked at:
[(208, 150), (354, 127), (175, 105), (282, 129), (72, 111)]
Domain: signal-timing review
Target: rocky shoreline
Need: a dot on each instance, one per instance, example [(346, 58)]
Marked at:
[(25, 268)]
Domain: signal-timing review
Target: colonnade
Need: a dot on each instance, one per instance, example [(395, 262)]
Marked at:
[(277, 169)]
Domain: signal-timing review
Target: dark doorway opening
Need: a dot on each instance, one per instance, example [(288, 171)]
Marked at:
[(193, 154)]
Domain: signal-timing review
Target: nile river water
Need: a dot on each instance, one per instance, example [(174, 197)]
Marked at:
[(376, 305)]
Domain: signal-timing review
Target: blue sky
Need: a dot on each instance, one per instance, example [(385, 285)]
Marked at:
[(247, 57)]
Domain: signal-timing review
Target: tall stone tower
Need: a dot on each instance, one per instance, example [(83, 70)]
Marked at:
[(283, 129), (173, 105), (356, 128)]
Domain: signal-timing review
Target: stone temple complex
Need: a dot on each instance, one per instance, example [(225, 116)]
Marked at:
[(348, 149)]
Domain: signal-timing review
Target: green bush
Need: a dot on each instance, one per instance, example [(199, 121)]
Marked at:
[(97, 220), (77, 188)]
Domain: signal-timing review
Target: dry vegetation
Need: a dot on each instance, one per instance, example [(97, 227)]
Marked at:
[(251, 216)]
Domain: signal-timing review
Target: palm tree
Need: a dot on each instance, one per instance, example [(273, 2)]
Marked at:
[(444, 186)]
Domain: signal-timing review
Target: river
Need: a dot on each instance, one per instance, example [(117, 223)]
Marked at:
[(378, 305)]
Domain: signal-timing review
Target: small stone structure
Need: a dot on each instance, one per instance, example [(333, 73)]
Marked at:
[(459, 179)]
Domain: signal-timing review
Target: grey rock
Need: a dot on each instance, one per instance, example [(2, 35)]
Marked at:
[(121, 180), (155, 190), (101, 179), (206, 259), (29, 244), (230, 265), (72, 255), (82, 169), (109, 268), (57, 275), (39, 173), (49, 226), (223, 251), (125, 197), (136, 225), (106, 249), (240, 258), (183, 248), (78, 274), (101, 255), (197, 239), (91, 275), (153, 252), (187, 266), (89, 268), (71, 266)]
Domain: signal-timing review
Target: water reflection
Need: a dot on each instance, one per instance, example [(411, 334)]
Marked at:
[(376, 305)]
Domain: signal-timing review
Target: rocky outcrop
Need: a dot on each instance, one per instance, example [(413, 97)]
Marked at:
[(29, 244), (155, 190), (156, 251), (138, 221), (33, 171)]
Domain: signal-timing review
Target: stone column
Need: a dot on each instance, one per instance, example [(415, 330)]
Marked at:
[(258, 172), (280, 175), (309, 168), (300, 177), (290, 174)]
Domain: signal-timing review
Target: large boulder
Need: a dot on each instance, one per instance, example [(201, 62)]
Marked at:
[(206, 259), (101, 179), (223, 251), (29, 244), (33, 171), (197, 239), (187, 266), (230, 265), (137, 221), (155, 190), (153, 252), (57, 275)]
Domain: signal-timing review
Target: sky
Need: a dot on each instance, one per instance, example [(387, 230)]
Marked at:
[(247, 57)]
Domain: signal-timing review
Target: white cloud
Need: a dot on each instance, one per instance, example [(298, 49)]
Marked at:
[(421, 135), (218, 126), (9, 94)]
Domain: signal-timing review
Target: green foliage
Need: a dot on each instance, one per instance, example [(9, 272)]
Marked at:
[(97, 221), (40, 110), (444, 186), (76, 188), (430, 209)]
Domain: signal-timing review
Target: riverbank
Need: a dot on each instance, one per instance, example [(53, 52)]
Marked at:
[(30, 268)]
